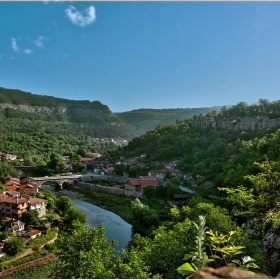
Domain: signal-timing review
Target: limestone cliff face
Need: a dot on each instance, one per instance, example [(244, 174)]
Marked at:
[(33, 108), (271, 252), (55, 109)]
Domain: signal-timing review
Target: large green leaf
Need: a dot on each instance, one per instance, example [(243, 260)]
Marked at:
[(186, 269)]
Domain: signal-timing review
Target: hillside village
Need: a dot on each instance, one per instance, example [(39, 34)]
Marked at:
[(19, 196)]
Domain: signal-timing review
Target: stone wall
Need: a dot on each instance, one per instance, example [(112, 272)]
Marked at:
[(97, 188)]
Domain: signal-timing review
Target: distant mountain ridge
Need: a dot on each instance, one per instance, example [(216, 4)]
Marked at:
[(129, 124)]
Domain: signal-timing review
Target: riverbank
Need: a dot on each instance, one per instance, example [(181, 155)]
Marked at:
[(118, 204)]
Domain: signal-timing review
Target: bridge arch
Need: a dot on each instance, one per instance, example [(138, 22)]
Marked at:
[(60, 180)]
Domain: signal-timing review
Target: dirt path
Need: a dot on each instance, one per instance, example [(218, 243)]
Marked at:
[(28, 251)]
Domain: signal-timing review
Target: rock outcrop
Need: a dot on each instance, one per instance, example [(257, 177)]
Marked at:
[(271, 252), (227, 272)]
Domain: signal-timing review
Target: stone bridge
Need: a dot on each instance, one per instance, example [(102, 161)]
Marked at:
[(58, 179)]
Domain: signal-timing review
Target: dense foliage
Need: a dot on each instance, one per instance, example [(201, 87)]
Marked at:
[(240, 167)]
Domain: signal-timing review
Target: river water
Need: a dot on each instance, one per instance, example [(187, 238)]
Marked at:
[(116, 227)]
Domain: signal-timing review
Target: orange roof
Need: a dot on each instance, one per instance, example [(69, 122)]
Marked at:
[(15, 200), (12, 188), (27, 186), (135, 182), (3, 195), (36, 200), (33, 232), (176, 171), (144, 183)]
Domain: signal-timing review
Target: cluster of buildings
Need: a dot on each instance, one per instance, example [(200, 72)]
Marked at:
[(9, 157), (15, 201)]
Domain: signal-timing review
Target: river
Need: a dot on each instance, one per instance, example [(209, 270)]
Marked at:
[(116, 227)]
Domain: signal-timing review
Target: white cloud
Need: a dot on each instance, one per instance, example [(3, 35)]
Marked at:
[(39, 41), (77, 18), (28, 51), (14, 45)]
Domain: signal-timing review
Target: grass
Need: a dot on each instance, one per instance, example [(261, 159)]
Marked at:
[(33, 256), (119, 204), (40, 240)]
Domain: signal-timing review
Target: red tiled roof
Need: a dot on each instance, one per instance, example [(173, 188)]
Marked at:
[(35, 200), (12, 188), (135, 182), (145, 183), (15, 200), (3, 195), (176, 171), (32, 233)]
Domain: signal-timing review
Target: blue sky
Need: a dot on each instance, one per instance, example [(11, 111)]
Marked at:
[(131, 55)]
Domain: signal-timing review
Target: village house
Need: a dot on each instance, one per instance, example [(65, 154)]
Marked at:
[(159, 173), (30, 188), (177, 173), (66, 159), (15, 226), (138, 185), (39, 205), (16, 206), (13, 207), (11, 157), (8, 194), (12, 184), (33, 234)]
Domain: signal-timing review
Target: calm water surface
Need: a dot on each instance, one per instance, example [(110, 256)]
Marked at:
[(116, 227)]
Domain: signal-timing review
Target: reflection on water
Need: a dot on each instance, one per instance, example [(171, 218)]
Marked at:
[(116, 227)]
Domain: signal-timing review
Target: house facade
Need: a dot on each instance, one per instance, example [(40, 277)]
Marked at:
[(15, 226), (13, 207), (39, 205)]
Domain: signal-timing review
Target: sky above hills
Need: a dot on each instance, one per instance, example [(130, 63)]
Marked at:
[(131, 55)]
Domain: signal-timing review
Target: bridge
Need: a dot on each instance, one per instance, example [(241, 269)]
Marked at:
[(58, 179)]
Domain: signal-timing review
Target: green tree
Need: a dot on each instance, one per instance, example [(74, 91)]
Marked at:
[(74, 216), (241, 200), (31, 218), (64, 204), (93, 255), (149, 191), (14, 246)]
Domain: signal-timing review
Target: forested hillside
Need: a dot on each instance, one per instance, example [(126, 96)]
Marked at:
[(147, 119), (23, 112), (92, 119), (219, 155)]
